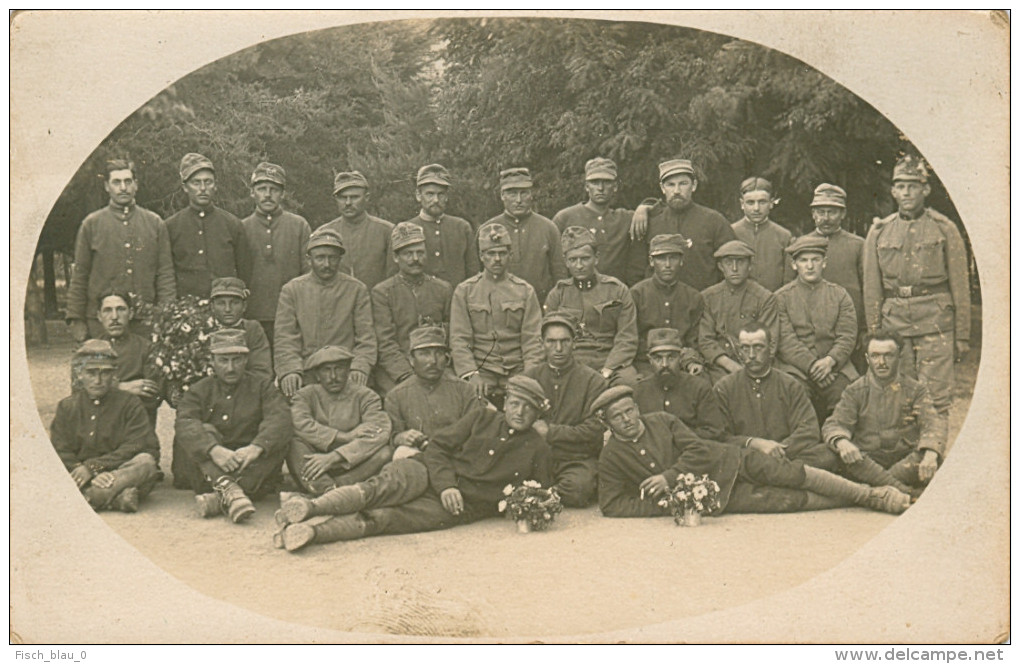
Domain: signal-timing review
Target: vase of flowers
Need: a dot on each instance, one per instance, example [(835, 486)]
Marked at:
[(180, 345), (530, 506), (691, 498)]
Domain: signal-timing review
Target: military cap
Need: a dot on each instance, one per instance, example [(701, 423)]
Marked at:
[(405, 234), (227, 340), (575, 237), (560, 318), (804, 243), (668, 243), (192, 163), (326, 237), (229, 286), (433, 174), (515, 178), (600, 168), (328, 354), (348, 179), (675, 167), (528, 389), (755, 184), (96, 353), (664, 338), (736, 248), (430, 336), (493, 235), (829, 195), (266, 172), (910, 168), (609, 397)]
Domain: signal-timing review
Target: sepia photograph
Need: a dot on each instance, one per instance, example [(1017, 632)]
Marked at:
[(434, 327)]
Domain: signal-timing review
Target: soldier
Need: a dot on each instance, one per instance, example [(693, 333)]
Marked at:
[(771, 268), (431, 399), (609, 225), (768, 410), (115, 311), (706, 229), (370, 257), (341, 434), (885, 428), (677, 392), (277, 242), (103, 436), (409, 299), (228, 299), (495, 320), (323, 308), (459, 479), (450, 251), (647, 452), (233, 430), (607, 328), (663, 300), (535, 255), (573, 434), (206, 241), (121, 247), (731, 304), (817, 327), (916, 283)]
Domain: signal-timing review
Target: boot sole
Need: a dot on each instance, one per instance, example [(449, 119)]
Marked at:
[(297, 536), (203, 508), (241, 512), (294, 510)]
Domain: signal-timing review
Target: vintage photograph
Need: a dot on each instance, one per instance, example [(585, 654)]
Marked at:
[(504, 327)]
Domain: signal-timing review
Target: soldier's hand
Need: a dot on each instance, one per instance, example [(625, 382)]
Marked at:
[(290, 384), (317, 464), (654, 485), (848, 452), (359, 377), (769, 447), (821, 369), (453, 501), (141, 388), (639, 222), (962, 348), (411, 438), (81, 476), (929, 464), (103, 480), (224, 459), (541, 426), (245, 455), (78, 329), (695, 368), (478, 383), (405, 451)]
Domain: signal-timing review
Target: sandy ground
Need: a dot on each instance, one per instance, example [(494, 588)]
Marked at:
[(584, 576)]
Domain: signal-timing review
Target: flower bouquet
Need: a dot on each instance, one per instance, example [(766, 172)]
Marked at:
[(180, 345), (690, 498), (530, 506)]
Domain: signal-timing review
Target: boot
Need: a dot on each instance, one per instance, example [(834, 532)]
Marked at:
[(885, 499), (278, 535), (126, 500), (340, 528), (235, 501), (99, 499), (339, 501), (868, 471), (209, 504)]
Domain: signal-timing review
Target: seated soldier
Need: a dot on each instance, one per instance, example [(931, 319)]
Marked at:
[(817, 327), (103, 436), (430, 399), (228, 301), (114, 312), (341, 434), (767, 409), (459, 478), (232, 432), (677, 392), (885, 427), (646, 453), (607, 320), (573, 434)]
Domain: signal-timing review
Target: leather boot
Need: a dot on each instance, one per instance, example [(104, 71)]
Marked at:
[(126, 500), (339, 501), (235, 502), (868, 471), (209, 504), (337, 529), (884, 499)]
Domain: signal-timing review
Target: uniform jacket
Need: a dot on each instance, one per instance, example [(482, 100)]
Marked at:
[(844, 265), (414, 404), (205, 246), (101, 433), (687, 397), (607, 337), (816, 320), (398, 306), (451, 253), (727, 310), (612, 235), (771, 267), (277, 245), (706, 229), (319, 416), (678, 306), (573, 432), (535, 255), (369, 256)]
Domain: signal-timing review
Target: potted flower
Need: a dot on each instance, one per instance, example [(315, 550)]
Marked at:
[(690, 498), (530, 506), (180, 345)]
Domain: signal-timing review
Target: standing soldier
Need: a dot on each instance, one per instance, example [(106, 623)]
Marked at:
[(609, 225), (207, 241), (409, 299), (277, 240), (450, 251), (120, 247), (607, 328), (916, 283), (535, 255), (367, 238), (771, 266)]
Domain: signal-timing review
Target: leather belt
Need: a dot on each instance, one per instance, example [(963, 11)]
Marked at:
[(917, 291)]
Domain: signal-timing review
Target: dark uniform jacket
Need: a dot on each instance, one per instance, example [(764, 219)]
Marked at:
[(771, 267), (775, 407), (816, 320), (398, 306), (573, 432), (612, 235), (607, 335), (451, 253), (687, 397), (277, 246), (678, 306), (414, 404), (101, 433), (703, 227), (844, 265), (205, 246), (727, 309)]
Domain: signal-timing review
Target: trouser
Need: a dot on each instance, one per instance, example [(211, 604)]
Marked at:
[(576, 480), (930, 359), (767, 484), (141, 471), (903, 470), (339, 477), (824, 399), (261, 476), (818, 455)]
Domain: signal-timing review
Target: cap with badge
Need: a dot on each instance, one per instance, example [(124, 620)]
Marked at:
[(668, 169), (326, 237), (430, 336), (266, 172), (910, 168), (405, 234), (815, 243), (348, 179), (491, 236), (734, 249), (668, 243), (528, 389), (226, 341), (609, 397), (515, 178), (664, 338), (829, 195), (433, 174), (328, 354), (229, 286), (192, 163), (575, 237), (563, 318), (96, 353), (600, 168)]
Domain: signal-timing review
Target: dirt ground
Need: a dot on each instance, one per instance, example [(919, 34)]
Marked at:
[(585, 576)]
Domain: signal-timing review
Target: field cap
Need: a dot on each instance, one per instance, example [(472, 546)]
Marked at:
[(229, 286), (560, 318), (328, 354), (668, 243), (829, 195), (910, 168), (266, 172), (528, 389), (755, 184), (809, 242), (515, 178), (675, 167), (664, 338), (405, 234), (348, 179), (493, 235), (575, 237), (609, 397), (326, 237), (433, 174), (600, 168), (96, 353), (430, 336), (228, 340), (735, 248), (192, 163)]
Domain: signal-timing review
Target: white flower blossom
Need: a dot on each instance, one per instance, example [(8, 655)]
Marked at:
[(502, 506), (508, 489)]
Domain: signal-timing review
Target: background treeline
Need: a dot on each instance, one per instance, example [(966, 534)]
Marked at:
[(483, 94)]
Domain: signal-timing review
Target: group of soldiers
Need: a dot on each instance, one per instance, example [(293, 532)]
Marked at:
[(405, 374)]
